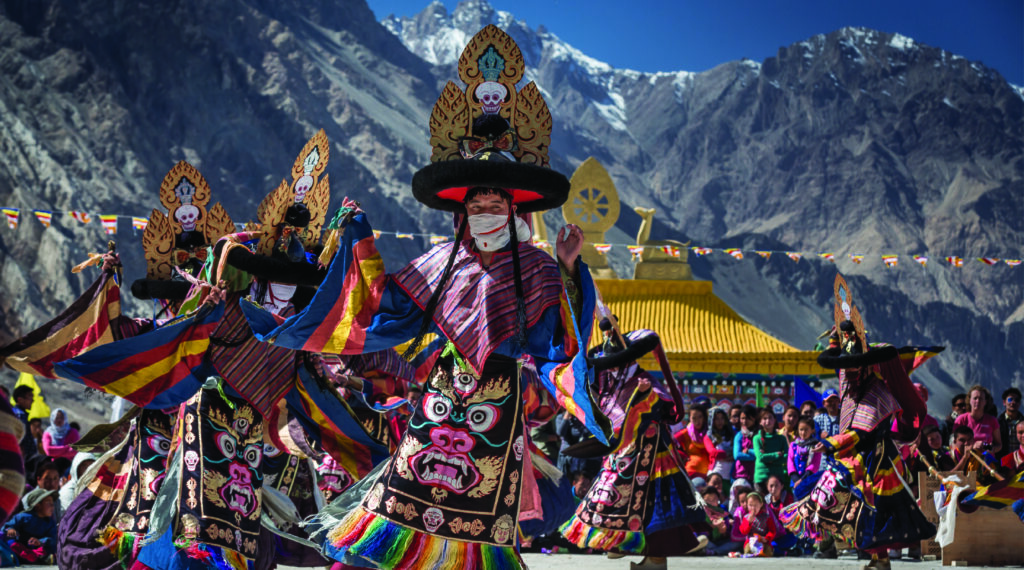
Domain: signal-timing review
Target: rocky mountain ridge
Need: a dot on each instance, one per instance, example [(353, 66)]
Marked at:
[(853, 141)]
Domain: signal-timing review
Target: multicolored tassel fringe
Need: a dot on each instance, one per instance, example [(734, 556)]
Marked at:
[(586, 536), (123, 545), (389, 545), (213, 556), (798, 524)]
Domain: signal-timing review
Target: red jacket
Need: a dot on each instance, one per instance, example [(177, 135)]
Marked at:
[(769, 533)]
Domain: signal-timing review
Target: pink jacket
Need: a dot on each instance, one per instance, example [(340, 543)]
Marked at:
[(64, 450)]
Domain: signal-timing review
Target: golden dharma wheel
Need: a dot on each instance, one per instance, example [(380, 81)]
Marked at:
[(593, 202)]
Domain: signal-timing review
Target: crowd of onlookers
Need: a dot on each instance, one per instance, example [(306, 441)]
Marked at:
[(52, 467), (746, 462)]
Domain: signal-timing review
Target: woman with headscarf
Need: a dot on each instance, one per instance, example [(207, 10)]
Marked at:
[(720, 436), (69, 491), (57, 438)]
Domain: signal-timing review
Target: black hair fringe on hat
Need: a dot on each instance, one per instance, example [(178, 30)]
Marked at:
[(520, 298), (428, 311), (834, 358), (167, 290)]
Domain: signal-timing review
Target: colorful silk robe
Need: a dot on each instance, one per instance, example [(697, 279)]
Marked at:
[(465, 447), (360, 308)]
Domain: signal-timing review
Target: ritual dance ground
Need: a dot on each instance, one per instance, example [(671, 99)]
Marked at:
[(594, 562)]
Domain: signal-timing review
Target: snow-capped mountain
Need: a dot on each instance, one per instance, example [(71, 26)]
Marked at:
[(854, 141)]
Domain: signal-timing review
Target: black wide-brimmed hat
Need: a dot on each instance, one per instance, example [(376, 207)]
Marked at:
[(443, 185), (638, 343)]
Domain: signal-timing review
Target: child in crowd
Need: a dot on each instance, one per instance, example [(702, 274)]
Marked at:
[(802, 460), (936, 454), (963, 439), (779, 497), (581, 482), (719, 522), (32, 534), (770, 451), (738, 506), (758, 527), (1015, 461), (720, 442), (715, 480), (743, 444), (808, 409), (788, 427)]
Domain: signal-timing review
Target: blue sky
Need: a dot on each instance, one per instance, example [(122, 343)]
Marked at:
[(689, 35)]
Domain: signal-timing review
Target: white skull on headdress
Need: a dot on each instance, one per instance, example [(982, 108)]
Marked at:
[(187, 216), (305, 182), (491, 95)]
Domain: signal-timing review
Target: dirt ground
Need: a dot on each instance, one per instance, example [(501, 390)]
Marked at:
[(595, 562)]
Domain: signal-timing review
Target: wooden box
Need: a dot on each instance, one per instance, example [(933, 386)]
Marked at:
[(986, 537), (927, 486)]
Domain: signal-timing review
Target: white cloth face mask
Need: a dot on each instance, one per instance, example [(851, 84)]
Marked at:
[(490, 231)]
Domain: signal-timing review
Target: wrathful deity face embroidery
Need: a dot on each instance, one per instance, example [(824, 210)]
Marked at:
[(239, 454), (332, 478), (459, 456), (221, 472), (457, 473)]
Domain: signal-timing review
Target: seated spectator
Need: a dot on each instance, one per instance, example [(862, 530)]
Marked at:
[(699, 484), (934, 451), (802, 460), (758, 527), (23, 398), (715, 480), (1009, 420), (47, 477), (691, 441), (1015, 461), (984, 425), (58, 438), (963, 442), (779, 497), (958, 405), (35, 428), (79, 466), (738, 494), (581, 483), (720, 524), (32, 534), (738, 508)]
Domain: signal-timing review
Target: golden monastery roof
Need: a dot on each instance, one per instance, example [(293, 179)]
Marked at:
[(699, 331)]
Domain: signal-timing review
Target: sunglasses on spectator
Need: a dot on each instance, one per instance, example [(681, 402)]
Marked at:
[(960, 404), (1010, 399)]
